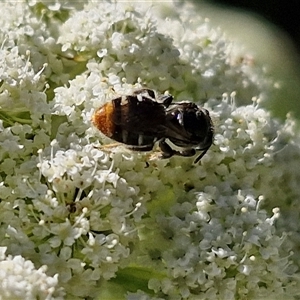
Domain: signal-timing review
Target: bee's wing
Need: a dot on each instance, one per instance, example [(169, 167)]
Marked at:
[(146, 117)]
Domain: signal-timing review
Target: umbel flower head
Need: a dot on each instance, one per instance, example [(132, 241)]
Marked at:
[(113, 223), (19, 279)]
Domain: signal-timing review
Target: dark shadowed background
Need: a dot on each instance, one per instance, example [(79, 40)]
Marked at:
[(270, 29)]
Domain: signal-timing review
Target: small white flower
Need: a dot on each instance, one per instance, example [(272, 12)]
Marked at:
[(20, 280)]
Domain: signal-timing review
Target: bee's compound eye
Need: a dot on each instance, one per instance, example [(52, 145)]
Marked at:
[(196, 122)]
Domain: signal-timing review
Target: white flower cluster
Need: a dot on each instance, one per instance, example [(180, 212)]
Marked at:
[(20, 280), (215, 240), (184, 54), (97, 215)]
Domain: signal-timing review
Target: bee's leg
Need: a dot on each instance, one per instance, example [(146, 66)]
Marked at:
[(166, 100), (140, 148), (143, 91), (201, 155), (130, 147), (109, 146), (187, 152), (192, 152), (166, 149)]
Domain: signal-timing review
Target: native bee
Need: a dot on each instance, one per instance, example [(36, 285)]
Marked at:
[(144, 118)]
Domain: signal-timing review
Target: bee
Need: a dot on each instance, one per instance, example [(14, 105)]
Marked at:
[(144, 118)]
